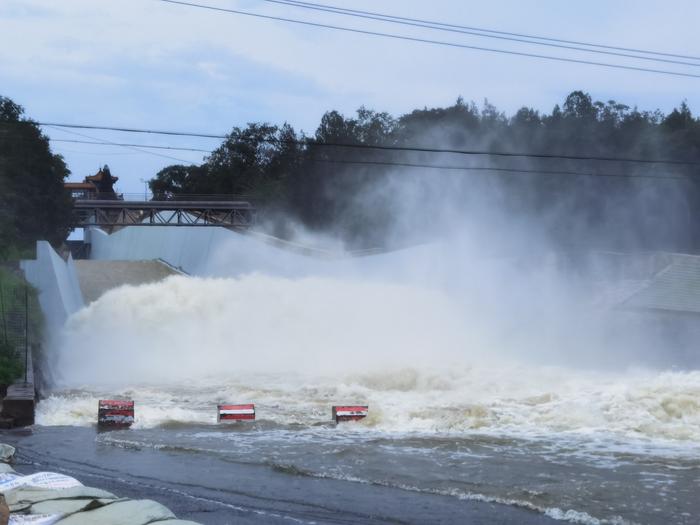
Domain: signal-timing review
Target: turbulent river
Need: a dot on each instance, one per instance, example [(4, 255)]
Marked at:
[(459, 404)]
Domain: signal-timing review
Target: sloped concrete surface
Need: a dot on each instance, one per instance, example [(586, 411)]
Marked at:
[(96, 277)]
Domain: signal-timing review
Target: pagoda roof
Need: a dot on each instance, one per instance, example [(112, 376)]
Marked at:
[(99, 176), (79, 186)]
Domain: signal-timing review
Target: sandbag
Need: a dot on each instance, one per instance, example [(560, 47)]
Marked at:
[(34, 519), (69, 506), (24, 497), (45, 498), (47, 480), (6, 452), (177, 522), (132, 512)]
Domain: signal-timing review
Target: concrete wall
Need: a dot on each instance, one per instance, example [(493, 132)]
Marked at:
[(57, 282), (185, 248), (204, 251), (219, 252)]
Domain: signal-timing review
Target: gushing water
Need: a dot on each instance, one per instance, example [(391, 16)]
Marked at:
[(295, 346), (467, 366)]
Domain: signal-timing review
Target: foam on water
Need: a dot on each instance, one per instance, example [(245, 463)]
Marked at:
[(422, 360), (624, 411)]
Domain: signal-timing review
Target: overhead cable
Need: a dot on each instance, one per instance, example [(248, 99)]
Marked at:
[(127, 145), (368, 15), (431, 41), (139, 148), (420, 149), (481, 29), (109, 143), (411, 164)]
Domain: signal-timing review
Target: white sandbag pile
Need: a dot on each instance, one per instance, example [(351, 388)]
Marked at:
[(45, 498)]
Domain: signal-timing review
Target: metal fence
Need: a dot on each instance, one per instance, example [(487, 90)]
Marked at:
[(149, 196), (16, 316)]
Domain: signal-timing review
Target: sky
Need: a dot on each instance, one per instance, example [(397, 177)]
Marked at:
[(151, 64)]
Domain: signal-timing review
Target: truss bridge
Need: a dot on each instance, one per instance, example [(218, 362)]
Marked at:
[(115, 213)]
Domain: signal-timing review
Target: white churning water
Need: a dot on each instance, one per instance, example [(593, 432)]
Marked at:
[(422, 361)]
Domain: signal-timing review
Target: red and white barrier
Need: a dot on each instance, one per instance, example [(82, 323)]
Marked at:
[(120, 413), (115, 413), (235, 412), (349, 412)]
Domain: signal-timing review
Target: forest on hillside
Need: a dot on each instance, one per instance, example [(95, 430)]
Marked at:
[(364, 194), (373, 179)]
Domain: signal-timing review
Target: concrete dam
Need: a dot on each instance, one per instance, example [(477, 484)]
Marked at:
[(662, 284), (457, 357)]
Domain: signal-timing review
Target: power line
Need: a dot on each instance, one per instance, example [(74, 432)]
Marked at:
[(108, 143), (383, 148), (430, 41), (413, 164), (368, 15), (136, 130), (503, 170), (121, 144), (483, 30)]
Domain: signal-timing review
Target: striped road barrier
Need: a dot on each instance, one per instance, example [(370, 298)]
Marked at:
[(349, 412), (115, 413), (235, 412)]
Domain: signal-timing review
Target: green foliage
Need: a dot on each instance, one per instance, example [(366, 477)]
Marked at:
[(33, 202), (255, 162), (11, 368), (322, 187), (14, 291)]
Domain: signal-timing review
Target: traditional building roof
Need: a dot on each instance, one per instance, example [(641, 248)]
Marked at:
[(101, 182), (79, 186), (103, 175)]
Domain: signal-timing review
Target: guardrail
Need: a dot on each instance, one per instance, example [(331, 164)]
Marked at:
[(168, 197)]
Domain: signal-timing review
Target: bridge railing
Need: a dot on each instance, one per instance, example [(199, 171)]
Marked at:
[(166, 197)]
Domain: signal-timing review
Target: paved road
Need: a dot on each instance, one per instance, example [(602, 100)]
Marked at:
[(204, 488)]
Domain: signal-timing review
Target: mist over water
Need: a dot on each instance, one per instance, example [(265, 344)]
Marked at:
[(481, 353), (482, 319), (468, 397), (497, 365), (185, 328)]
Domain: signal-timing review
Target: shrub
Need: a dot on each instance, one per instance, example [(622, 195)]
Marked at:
[(11, 367)]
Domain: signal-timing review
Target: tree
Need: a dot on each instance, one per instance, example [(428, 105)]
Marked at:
[(179, 179), (255, 160), (679, 119), (33, 202), (348, 190), (579, 105)]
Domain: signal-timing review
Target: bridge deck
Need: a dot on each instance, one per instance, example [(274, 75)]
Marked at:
[(113, 213)]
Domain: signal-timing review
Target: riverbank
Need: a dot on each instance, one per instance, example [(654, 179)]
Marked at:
[(45, 498), (20, 333), (207, 489)]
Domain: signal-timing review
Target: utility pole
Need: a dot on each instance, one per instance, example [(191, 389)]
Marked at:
[(26, 330), (4, 318), (145, 189)]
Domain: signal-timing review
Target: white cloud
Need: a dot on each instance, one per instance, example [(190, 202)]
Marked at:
[(149, 63)]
